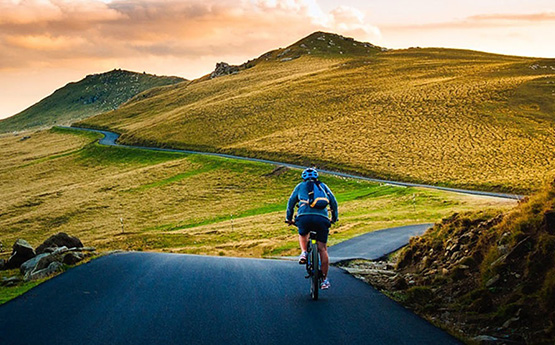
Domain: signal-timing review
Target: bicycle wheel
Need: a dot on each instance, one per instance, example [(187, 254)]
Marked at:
[(314, 288)]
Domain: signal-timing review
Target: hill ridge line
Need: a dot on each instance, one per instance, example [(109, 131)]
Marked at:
[(110, 139)]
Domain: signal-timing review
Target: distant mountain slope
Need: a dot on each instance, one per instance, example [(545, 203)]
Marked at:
[(443, 116), (93, 95)]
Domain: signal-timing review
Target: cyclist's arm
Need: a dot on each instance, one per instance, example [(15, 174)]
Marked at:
[(333, 205), (293, 199)]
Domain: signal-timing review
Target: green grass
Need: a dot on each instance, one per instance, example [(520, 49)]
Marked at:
[(96, 154), (8, 293), (442, 116)]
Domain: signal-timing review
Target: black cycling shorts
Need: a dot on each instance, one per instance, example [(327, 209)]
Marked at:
[(310, 222)]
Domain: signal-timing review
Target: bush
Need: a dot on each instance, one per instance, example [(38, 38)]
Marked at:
[(419, 295)]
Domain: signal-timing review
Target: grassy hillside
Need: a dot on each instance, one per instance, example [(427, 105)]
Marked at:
[(59, 180), (486, 273), (92, 95), (443, 116)]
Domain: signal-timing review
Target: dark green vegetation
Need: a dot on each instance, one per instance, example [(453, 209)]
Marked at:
[(488, 272), (93, 95), (441, 116)]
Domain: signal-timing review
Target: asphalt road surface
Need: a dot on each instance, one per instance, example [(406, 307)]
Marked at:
[(155, 298), (374, 245), (110, 139)]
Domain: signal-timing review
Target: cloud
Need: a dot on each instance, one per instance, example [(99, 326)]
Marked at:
[(351, 21), (50, 30), (519, 17), (494, 20)]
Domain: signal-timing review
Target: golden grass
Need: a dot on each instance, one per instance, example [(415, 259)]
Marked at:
[(59, 181), (442, 116)]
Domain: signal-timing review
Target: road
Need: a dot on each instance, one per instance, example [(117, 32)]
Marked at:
[(156, 298), (110, 139), (374, 245)]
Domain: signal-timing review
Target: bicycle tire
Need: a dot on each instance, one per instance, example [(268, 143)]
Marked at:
[(314, 288)]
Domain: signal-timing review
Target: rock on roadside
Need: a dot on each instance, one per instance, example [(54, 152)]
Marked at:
[(60, 239), (31, 263), (53, 267), (53, 254), (22, 251)]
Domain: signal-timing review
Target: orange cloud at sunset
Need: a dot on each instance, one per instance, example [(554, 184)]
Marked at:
[(120, 29), (46, 44)]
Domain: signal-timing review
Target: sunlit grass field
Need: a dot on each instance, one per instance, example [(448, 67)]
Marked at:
[(441, 116), (61, 180)]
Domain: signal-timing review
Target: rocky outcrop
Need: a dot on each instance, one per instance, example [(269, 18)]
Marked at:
[(21, 252), (53, 256), (222, 69), (60, 239)]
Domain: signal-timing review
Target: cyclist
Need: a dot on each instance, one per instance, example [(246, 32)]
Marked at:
[(312, 219)]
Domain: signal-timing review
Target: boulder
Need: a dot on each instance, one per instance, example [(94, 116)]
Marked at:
[(59, 240), (83, 249), (45, 272), (30, 264), (11, 281), (72, 258), (45, 261), (22, 251), (60, 250)]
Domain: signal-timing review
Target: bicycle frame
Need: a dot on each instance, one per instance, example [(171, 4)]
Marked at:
[(314, 274)]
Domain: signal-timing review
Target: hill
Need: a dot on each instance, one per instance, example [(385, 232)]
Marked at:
[(92, 95), (441, 116)]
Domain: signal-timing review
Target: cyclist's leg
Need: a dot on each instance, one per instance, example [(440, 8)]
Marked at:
[(323, 231), (324, 258), (303, 241), (304, 232)]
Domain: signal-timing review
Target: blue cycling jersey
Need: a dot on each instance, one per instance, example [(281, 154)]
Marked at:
[(300, 194)]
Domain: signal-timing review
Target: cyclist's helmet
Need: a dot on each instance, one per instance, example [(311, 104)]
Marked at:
[(309, 173)]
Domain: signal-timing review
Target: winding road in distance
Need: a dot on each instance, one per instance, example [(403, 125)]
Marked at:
[(110, 139)]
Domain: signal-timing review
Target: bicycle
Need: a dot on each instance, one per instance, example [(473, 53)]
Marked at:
[(313, 266), (314, 273)]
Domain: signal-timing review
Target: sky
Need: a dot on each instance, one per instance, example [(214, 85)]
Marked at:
[(45, 44)]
